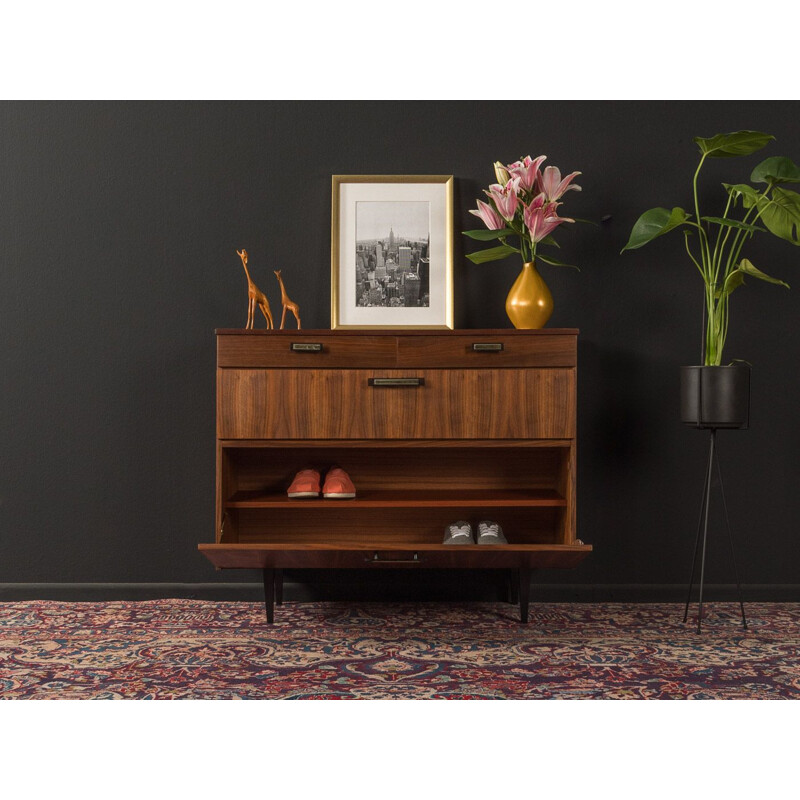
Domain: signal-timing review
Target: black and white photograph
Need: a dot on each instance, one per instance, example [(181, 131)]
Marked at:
[(392, 261), (392, 251)]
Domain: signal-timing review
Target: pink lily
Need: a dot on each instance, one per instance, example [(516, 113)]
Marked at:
[(505, 198), (553, 187), (492, 220), (527, 170), (541, 218)]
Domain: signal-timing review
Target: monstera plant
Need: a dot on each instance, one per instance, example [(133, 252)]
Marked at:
[(715, 244), (715, 396)]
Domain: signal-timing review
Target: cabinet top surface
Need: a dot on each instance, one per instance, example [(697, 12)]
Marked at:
[(400, 332)]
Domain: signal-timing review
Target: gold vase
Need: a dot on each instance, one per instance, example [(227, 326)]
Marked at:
[(529, 303)]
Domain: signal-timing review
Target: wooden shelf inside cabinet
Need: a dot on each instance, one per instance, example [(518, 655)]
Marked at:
[(486, 432), (411, 499)]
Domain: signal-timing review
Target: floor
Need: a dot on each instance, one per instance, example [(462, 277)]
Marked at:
[(209, 650)]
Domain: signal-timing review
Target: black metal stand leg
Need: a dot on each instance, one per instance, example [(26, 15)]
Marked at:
[(278, 587), (524, 592), (513, 587), (705, 527), (730, 539), (269, 593), (703, 504)]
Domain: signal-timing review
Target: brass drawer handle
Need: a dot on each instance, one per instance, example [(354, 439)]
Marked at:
[(487, 347), (306, 347), (377, 383), (376, 559)]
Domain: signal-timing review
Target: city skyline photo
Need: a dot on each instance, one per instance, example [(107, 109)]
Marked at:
[(392, 260)]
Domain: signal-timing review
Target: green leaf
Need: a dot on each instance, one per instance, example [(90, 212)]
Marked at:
[(732, 145), (781, 214), (653, 223), (777, 169), (554, 261), (586, 221), (743, 190), (732, 223), (487, 235), (492, 254), (551, 241), (748, 269), (736, 278)]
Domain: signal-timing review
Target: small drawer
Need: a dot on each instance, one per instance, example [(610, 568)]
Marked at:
[(305, 350), (487, 350)]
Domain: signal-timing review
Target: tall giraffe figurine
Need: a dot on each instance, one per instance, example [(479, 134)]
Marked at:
[(255, 297), (287, 303)]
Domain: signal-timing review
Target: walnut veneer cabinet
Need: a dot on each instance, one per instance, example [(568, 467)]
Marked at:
[(432, 426)]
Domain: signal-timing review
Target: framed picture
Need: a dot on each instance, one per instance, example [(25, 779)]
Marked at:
[(392, 251)]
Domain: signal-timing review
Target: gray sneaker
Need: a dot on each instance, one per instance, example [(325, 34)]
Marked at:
[(458, 533), (490, 533)]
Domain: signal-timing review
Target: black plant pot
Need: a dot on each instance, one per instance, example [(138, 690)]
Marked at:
[(716, 397)]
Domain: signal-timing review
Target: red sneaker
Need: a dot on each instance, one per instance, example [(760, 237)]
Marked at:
[(338, 485), (305, 484)]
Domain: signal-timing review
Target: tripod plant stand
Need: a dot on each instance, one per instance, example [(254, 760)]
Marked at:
[(702, 524)]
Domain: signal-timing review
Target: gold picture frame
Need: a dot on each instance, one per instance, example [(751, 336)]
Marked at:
[(363, 203)]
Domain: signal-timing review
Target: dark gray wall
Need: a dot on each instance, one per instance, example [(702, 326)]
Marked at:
[(118, 226)]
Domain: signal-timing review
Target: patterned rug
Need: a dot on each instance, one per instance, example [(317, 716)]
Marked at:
[(174, 649)]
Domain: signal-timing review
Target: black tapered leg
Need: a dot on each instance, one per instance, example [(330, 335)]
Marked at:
[(524, 592), (730, 539), (278, 587), (703, 504), (705, 528), (513, 587), (269, 593)]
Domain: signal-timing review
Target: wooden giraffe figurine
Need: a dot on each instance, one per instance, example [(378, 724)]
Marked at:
[(255, 297), (287, 303)]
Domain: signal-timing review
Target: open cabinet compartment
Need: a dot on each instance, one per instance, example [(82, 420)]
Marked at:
[(405, 494)]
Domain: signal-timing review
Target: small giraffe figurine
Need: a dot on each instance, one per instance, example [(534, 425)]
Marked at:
[(255, 297), (287, 303)]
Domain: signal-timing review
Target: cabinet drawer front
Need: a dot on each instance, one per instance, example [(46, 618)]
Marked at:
[(487, 350), (306, 351), (257, 557), (358, 404)]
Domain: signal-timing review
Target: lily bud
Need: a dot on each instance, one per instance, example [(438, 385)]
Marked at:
[(501, 173)]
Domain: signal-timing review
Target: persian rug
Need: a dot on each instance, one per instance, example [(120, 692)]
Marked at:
[(175, 649)]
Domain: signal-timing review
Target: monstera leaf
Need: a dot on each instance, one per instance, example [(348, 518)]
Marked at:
[(733, 223), (748, 194), (781, 214), (777, 169), (653, 223), (736, 277), (733, 145)]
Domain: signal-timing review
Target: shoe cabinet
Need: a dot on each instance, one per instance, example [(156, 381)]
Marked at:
[(432, 426)]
